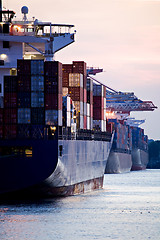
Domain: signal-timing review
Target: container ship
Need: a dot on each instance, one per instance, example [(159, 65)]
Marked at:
[(140, 155), (130, 146), (120, 158), (53, 137), (129, 150)]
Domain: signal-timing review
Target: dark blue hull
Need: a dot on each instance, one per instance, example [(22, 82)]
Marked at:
[(53, 167), (20, 170)]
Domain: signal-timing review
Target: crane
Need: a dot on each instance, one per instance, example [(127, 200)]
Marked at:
[(124, 102)]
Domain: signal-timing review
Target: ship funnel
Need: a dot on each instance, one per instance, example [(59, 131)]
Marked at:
[(24, 10)]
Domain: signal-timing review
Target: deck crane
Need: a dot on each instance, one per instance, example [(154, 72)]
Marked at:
[(93, 71), (120, 104), (124, 102), (134, 122)]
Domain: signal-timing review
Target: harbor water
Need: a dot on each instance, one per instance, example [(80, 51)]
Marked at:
[(128, 207)]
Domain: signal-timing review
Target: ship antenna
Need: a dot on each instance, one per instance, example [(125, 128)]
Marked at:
[(24, 11)]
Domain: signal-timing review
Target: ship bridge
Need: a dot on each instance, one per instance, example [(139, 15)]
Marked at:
[(29, 39)]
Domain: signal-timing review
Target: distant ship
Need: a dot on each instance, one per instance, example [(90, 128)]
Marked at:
[(120, 159), (129, 149), (130, 146), (140, 156), (53, 138)]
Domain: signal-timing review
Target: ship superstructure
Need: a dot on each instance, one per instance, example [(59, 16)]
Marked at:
[(29, 39)]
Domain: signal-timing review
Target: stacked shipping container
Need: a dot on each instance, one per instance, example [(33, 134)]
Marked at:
[(53, 93), (89, 103), (90, 114), (139, 140), (9, 118), (74, 84), (123, 134), (99, 107), (32, 100)]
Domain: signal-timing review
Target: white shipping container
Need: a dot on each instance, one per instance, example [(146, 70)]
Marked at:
[(68, 104), (104, 102), (68, 119), (91, 123), (104, 114), (59, 117), (81, 122), (85, 108), (102, 91), (104, 126), (88, 110), (81, 108), (88, 123)]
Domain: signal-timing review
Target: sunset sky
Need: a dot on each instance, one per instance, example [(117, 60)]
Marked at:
[(122, 37)]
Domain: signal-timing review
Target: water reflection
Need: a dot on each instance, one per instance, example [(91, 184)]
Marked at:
[(125, 209)]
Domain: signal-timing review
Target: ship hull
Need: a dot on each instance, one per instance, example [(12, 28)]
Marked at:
[(56, 167), (139, 159), (118, 162)]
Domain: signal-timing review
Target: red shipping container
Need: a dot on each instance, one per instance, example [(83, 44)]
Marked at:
[(60, 84), (91, 97), (85, 81), (1, 116), (97, 101), (51, 86), (98, 114), (85, 96), (23, 67), (67, 68), (10, 100), (10, 131), (10, 83), (104, 88), (10, 116), (24, 83), (91, 110), (1, 131), (51, 101), (76, 93), (80, 67), (59, 101), (109, 127), (85, 122), (65, 79), (52, 68)]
